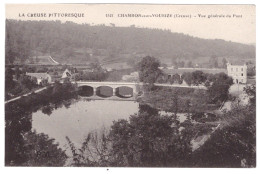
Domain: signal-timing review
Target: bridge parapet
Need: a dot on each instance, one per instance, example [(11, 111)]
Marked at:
[(110, 84)]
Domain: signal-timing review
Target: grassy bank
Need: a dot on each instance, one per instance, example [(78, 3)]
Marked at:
[(179, 99)]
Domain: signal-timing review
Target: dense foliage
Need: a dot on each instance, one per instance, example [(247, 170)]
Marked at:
[(17, 83), (148, 69), (148, 139), (40, 150), (234, 143), (218, 87)]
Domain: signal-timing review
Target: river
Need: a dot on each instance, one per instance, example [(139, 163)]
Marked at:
[(81, 118)]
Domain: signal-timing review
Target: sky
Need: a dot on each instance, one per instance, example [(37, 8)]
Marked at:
[(234, 22)]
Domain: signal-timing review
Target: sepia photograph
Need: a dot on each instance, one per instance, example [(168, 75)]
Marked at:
[(130, 85)]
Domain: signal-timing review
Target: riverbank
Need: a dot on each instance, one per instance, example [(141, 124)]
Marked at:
[(179, 99), (18, 119)]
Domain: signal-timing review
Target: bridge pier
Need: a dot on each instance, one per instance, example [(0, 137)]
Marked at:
[(94, 91), (114, 91), (134, 92)]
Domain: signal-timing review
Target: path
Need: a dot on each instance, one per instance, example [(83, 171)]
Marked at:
[(16, 98)]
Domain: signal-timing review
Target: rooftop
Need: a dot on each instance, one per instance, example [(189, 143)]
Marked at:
[(182, 70), (38, 75), (237, 64)]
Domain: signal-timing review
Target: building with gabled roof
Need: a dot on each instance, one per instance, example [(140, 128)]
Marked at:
[(66, 74)]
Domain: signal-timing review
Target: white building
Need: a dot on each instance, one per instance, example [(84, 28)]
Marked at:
[(237, 72), (40, 77)]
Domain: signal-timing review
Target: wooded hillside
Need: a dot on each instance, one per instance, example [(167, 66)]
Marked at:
[(74, 43)]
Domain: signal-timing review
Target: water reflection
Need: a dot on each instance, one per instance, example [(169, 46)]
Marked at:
[(104, 91), (81, 118), (124, 92), (86, 91)]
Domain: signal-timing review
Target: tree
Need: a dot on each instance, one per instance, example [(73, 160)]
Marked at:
[(210, 79), (175, 78), (174, 63), (95, 151), (95, 66), (198, 77), (17, 73), (218, 89), (9, 83), (27, 82), (251, 92), (42, 151), (216, 63), (149, 70), (190, 65), (175, 103), (187, 77), (233, 144), (251, 71), (213, 61), (162, 78), (181, 64), (149, 140), (224, 62)]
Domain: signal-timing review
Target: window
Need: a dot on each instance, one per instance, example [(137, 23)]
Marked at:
[(236, 69), (242, 74), (241, 69)]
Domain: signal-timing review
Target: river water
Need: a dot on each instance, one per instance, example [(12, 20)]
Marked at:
[(83, 117)]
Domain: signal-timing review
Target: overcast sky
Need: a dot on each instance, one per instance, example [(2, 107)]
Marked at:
[(236, 28)]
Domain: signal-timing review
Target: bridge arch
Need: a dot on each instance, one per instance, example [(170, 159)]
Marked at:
[(104, 91), (86, 91), (124, 92)]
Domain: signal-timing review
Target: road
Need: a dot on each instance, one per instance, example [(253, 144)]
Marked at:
[(180, 86), (236, 90), (16, 98)]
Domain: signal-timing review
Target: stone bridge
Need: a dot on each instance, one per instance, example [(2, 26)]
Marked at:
[(113, 85)]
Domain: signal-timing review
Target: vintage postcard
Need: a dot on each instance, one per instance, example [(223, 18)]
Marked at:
[(130, 85)]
